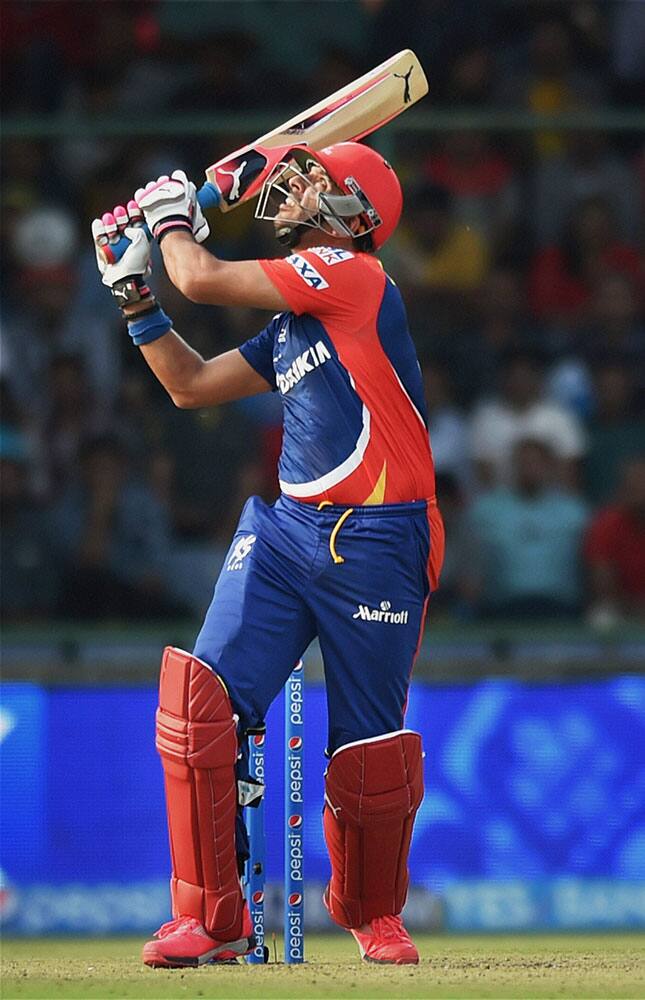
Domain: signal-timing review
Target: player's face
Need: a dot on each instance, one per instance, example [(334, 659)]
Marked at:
[(302, 200)]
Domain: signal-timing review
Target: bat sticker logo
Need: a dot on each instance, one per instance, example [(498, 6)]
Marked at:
[(236, 174), (406, 85)]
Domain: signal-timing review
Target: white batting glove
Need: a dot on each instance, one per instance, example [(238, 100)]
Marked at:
[(170, 204), (115, 235), (122, 247)]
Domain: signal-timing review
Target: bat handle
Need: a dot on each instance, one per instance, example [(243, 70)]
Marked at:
[(208, 197)]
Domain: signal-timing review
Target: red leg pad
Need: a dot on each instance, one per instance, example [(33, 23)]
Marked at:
[(372, 792), (197, 741)]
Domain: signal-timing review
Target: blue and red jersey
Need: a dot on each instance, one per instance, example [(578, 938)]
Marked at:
[(343, 361)]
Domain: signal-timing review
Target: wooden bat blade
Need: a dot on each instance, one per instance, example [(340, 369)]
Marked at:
[(351, 113)]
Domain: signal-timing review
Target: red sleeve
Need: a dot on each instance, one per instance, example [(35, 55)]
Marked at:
[(326, 282), (600, 541)]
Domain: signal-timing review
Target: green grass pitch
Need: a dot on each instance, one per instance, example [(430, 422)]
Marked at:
[(558, 966)]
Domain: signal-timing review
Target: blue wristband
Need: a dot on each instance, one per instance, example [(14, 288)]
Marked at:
[(150, 327)]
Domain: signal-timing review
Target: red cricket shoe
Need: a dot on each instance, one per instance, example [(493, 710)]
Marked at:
[(385, 941), (185, 942)]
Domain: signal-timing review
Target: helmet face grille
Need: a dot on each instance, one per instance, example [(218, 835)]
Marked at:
[(324, 216)]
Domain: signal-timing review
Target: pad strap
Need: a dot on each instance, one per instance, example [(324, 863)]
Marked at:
[(373, 789)]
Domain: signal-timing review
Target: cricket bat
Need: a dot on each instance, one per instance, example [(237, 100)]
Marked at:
[(351, 113)]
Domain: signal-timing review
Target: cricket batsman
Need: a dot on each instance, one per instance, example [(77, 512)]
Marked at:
[(350, 551)]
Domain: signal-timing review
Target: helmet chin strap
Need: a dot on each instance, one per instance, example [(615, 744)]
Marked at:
[(290, 236)]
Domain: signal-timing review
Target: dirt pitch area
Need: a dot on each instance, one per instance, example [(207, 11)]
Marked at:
[(520, 966)]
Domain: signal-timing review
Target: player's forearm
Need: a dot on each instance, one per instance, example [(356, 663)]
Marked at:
[(191, 268), (192, 382), (177, 366)]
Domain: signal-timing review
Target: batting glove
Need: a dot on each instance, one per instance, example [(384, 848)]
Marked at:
[(170, 204), (126, 277)]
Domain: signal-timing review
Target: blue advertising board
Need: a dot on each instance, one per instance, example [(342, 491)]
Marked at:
[(534, 815)]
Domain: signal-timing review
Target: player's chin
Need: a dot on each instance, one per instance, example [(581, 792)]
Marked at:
[(280, 224)]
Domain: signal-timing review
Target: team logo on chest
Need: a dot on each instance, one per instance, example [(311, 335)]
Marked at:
[(306, 362)]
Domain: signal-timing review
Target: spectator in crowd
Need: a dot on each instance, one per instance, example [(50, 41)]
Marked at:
[(30, 578), (613, 330), (615, 551), (587, 168), (470, 79), (210, 450), (628, 45), (447, 426), (552, 81), (501, 325), (485, 193), (563, 277), (616, 429), (614, 323), (138, 417), (525, 541), (441, 252), (224, 83), (458, 557), (19, 434), (38, 295), (71, 415), (439, 261), (520, 410), (45, 317), (113, 540)]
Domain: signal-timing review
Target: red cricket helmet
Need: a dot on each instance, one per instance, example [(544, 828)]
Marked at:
[(361, 171)]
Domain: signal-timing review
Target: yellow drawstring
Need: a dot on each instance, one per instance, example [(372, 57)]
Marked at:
[(332, 538), (339, 523)]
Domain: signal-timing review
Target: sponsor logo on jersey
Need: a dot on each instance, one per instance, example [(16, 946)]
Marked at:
[(312, 358), (307, 271), (381, 614), (241, 550), (332, 255)]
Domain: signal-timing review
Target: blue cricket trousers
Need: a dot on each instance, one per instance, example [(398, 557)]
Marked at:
[(358, 578)]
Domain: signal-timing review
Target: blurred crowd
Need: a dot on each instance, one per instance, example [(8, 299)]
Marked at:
[(519, 258)]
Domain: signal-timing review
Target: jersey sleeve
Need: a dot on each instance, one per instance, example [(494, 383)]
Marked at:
[(324, 281), (258, 351)]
